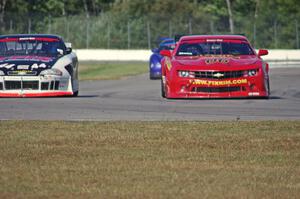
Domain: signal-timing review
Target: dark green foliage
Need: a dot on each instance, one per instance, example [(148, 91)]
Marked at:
[(138, 23)]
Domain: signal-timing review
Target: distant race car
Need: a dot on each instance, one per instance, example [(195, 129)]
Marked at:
[(214, 66), (37, 65), (155, 58)]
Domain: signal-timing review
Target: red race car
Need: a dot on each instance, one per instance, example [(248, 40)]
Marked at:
[(214, 66)]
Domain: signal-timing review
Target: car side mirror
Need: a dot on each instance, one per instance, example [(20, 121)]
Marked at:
[(68, 50), (262, 52), (165, 53), (60, 51)]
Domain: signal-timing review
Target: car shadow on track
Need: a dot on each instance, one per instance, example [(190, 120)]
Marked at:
[(79, 96), (237, 98), (87, 96)]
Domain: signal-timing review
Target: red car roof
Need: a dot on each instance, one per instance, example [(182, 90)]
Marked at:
[(225, 37)]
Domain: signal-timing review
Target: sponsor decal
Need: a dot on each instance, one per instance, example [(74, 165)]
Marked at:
[(185, 53), (63, 85), (217, 60), (218, 75), (7, 66), (168, 63), (214, 40), (27, 58), (26, 38), (253, 94), (219, 56), (36, 66), (22, 72), (23, 67), (219, 83), (163, 79), (29, 39)]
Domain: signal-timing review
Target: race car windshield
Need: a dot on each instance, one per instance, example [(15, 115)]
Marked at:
[(214, 48), (15, 47)]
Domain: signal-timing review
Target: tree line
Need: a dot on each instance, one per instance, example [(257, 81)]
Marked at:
[(267, 23)]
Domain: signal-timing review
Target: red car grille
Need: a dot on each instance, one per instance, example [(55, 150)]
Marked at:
[(216, 89), (219, 74)]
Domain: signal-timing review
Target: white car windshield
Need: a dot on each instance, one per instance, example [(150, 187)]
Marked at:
[(30, 46)]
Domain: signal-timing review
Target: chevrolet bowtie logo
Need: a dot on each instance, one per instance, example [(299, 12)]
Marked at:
[(218, 75)]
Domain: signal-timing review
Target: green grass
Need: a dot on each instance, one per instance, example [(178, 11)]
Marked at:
[(149, 159), (110, 70)]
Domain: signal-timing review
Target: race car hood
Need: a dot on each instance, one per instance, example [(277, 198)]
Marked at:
[(217, 61), (25, 65)]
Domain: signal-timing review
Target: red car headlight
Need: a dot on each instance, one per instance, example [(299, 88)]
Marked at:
[(250, 73), (183, 73)]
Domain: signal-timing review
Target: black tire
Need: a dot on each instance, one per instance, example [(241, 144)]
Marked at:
[(75, 94), (163, 91), (151, 77), (267, 89)]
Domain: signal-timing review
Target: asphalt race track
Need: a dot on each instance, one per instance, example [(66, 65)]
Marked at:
[(138, 98)]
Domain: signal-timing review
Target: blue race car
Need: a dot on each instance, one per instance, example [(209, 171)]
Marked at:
[(155, 58)]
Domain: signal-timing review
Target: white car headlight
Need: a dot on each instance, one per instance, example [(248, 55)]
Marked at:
[(157, 65), (53, 71), (1, 73)]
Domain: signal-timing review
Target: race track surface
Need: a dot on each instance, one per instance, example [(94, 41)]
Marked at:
[(138, 98)]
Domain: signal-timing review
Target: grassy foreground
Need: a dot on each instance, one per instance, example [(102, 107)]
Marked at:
[(110, 70), (149, 159)]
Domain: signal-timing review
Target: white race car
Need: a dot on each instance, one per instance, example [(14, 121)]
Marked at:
[(37, 65)]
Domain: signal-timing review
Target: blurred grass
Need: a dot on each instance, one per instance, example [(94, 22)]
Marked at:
[(110, 70), (149, 159)]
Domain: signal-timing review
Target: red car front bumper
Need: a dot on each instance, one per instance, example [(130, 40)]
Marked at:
[(229, 88)]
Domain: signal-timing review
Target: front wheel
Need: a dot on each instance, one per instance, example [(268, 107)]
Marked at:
[(163, 90), (267, 86), (269, 91), (151, 77), (75, 94)]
